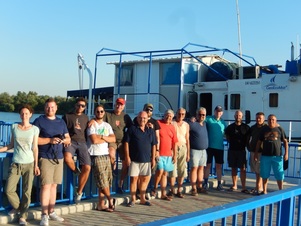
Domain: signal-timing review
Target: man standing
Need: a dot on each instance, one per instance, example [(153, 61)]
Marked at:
[(237, 136), (53, 135), (198, 154), (77, 123), (215, 127), (167, 152), (119, 122), (253, 138), (151, 123), (99, 135), (183, 153), (140, 149), (270, 138)]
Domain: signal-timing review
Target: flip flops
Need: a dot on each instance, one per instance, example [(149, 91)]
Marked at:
[(246, 191), (166, 198), (232, 189), (130, 204), (147, 203)]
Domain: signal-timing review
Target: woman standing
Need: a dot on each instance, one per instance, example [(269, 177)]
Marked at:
[(24, 140)]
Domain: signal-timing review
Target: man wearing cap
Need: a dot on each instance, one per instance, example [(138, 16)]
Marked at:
[(215, 127), (119, 122)]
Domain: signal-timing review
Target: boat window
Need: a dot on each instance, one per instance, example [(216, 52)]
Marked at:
[(273, 100), (235, 101), (190, 73), (226, 102), (170, 73), (206, 102), (126, 76)]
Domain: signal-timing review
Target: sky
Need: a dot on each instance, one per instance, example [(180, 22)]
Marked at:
[(40, 40)]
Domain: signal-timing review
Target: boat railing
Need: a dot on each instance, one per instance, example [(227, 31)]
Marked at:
[(67, 188)]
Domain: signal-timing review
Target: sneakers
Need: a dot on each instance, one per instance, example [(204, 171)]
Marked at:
[(220, 187), (13, 212), (22, 221), (78, 198), (44, 220), (205, 186), (53, 216)]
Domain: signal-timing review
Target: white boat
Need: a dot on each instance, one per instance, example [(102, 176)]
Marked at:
[(198, 75)]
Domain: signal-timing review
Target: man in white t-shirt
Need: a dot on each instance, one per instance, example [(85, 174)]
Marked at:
[(99, 135)]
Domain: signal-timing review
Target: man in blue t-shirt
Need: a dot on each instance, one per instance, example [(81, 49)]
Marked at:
[(198, 155), (215, 126), (53, 135), (140, 147)]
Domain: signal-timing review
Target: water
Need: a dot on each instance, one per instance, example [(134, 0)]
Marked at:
[(15, 117)]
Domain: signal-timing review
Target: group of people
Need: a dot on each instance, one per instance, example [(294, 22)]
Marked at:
[(152, 152)]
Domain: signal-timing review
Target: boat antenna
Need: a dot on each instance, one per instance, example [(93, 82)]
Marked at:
[(239, 36)]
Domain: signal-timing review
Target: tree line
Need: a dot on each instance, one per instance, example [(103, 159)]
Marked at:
[(12, 103)]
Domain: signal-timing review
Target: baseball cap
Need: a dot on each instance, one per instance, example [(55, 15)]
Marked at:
[(148, 106), (218, 108), (120, 101)]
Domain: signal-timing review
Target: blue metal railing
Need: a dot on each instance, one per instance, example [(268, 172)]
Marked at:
[(277, 208), (66, 190)]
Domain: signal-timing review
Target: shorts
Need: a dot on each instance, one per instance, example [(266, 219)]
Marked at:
[(274, 162), (102, 171), (237, 159), (81, 151), (198, 157), (120, 149), (140, 169), (255, 165), (165, 163), (180, 169), (217, 154), (51, 171)]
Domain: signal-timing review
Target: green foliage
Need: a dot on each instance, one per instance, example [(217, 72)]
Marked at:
[(12, 103)]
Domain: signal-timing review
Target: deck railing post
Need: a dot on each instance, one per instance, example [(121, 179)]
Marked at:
[(286, 212)]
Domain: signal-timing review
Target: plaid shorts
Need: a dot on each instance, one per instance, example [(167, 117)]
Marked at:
[(102, 171)]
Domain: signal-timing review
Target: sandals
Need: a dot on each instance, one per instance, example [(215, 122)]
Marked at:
[(105, 209), (232, 189), (153, 192), (194, 192), (113, 206), (180, 195), (147, 203), (130, 204), (170, 194), (246, 191), (166, 198)]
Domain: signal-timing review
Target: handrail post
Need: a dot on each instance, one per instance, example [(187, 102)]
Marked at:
[(286, 214)]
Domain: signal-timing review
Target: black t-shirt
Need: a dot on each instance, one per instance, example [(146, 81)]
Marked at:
[(271, 140), (237, 136)]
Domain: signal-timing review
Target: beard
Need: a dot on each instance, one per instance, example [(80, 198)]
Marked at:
[(99, 117)]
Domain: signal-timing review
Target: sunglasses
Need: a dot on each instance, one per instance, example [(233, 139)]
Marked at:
[(81, 105), (149, 109), (202, 115), (101, 111)]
